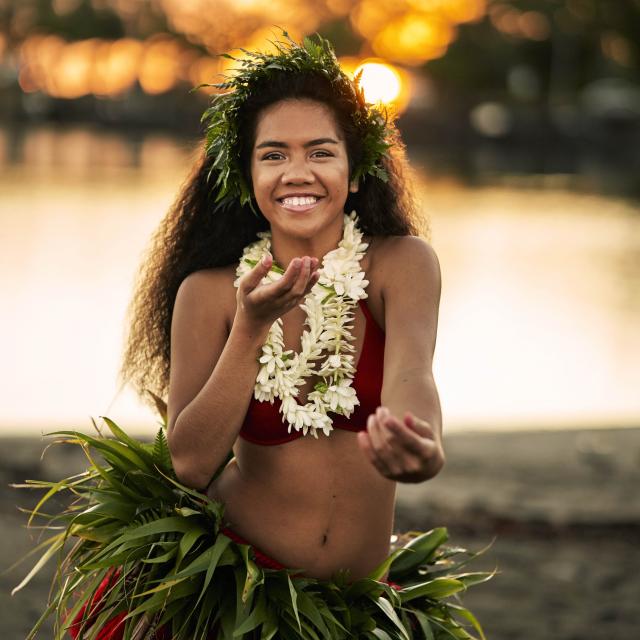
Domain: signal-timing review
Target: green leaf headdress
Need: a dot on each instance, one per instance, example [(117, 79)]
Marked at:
[(222, 116)]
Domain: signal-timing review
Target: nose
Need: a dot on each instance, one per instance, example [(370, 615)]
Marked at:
[(297, 171)]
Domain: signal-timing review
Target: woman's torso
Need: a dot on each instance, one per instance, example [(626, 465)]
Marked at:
[(313, 504)]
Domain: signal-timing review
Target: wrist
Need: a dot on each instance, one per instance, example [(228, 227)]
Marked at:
[(253, 333)]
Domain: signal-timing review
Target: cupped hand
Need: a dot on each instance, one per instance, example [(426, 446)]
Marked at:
[(403, 450), (260, 305)]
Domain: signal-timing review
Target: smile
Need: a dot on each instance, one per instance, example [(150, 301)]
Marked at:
[(303, 203)]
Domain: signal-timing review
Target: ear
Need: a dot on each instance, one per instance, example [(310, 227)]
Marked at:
[(353, 186)]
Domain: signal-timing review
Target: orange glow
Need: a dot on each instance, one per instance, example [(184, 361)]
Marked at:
[(409, 32), (370, 17), (534, 25), (72, 75), (26, 81), (617, 48), (381, 82), (414, 39), (159, 67), (377, 77), (206, 69), (340, 7), (456, 11), (116, 66), (506, 20)]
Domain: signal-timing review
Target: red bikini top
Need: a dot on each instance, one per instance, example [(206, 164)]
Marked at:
[(264, 424)]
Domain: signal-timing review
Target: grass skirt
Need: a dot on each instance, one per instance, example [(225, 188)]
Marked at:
[(150, 560)]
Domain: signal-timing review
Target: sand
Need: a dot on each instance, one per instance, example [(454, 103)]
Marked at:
[(562, 508)]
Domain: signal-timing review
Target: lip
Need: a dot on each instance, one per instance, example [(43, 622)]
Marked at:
[(300, 194), (300, 207)]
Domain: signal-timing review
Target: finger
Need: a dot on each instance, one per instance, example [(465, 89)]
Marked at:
[(403, 442), (387, 455), (303, 278), (364, 440), (406, 438), (289, 278), (374, 433), (421, 427), (313, 279), (283, 285), (253, 278)]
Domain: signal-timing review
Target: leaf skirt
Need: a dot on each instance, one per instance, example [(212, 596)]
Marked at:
[(140, 556)]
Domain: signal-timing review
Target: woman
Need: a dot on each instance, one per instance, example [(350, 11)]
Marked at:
[(290, 309), (324, 503)]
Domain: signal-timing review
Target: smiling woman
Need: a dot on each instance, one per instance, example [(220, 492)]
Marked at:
[(251, 315), (302, 187)]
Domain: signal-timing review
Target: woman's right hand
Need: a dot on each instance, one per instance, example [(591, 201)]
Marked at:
[(259, 306)]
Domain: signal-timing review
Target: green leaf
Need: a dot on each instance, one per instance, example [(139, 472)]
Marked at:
[(423, 547), (437, 588), (254, 574), (207, 560), (257, 617), (120, 435), (157, 527), (383, 567), (161, 455), (423, 621), (187, 541), (56, 544), (467, 615), (389, 611), (294, 598)]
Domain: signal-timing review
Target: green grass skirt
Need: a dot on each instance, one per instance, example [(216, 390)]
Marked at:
[(131, 520)]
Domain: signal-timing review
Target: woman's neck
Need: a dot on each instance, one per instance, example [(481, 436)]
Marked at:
[(285, 248)]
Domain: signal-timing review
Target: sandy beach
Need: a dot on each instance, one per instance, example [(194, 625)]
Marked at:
[(561, 507)]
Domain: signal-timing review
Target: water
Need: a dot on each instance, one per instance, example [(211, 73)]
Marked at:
[(540, 302)]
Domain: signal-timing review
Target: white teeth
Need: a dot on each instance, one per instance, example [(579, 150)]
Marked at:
[(296, 202)]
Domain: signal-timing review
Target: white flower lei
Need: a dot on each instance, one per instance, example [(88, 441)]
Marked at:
[(329, 307)]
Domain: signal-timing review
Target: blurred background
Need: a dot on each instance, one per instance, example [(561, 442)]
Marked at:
[(522, 122)]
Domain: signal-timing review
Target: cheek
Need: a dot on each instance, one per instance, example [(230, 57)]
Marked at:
[(262, 181)]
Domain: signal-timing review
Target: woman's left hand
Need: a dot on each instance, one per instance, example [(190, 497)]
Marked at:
[(402, 450)]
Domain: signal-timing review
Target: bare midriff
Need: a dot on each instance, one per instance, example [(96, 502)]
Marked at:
[(338, 516)]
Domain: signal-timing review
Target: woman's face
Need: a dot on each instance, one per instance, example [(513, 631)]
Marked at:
[(300, 168)]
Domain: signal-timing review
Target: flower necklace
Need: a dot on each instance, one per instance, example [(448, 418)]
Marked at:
[(329, 307)]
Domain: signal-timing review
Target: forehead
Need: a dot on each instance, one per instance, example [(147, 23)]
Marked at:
[(296, 120)]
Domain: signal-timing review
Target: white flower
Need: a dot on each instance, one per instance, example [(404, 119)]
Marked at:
[(271, 358), (329, 308), (343, 395)]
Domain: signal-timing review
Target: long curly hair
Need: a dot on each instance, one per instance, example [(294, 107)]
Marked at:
[(195, 235)]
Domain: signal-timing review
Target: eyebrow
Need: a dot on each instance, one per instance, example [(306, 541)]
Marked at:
[(284, 145)]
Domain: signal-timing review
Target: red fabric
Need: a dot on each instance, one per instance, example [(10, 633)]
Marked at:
[(113, 629), (261, 558), (263, 422)]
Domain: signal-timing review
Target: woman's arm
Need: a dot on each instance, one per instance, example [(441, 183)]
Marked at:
[(214, 368), (404, 437)]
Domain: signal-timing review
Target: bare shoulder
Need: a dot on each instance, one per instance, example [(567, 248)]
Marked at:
[(200, 325), (405, 259), (209, 290)]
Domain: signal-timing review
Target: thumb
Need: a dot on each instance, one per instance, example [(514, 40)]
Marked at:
[(254, 277)]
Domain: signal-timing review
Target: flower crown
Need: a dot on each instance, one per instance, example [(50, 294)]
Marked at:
[(222, 126)]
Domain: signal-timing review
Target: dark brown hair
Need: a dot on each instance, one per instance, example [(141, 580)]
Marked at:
[(194, 235)]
